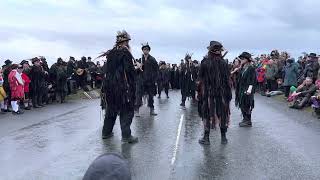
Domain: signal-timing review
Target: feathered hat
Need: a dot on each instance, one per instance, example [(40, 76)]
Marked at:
[(188, 56), (122, 36), (275, 54), (145, 45)]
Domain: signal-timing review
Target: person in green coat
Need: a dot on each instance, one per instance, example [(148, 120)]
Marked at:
[(245, 89), (290, 76)]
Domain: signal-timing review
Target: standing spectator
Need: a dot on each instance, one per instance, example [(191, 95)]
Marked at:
[(26, 80), (2, 93), (37, 83), (61, 80), (271, 73), (261, 78), (72, 66), (71, 69), (82, 73), (6, 70), (47, 83), (312, 67), (236, 66), (16, 86), (290, 76)]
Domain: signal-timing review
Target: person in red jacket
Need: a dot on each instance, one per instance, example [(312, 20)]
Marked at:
[(261, 78), (26, 80), (16, 87)]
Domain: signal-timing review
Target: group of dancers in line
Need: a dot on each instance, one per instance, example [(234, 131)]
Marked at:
[(127, 80)]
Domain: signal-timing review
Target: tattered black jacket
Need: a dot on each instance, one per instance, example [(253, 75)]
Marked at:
[(119, 85), (246, 77), (215, 90), (150, 70)]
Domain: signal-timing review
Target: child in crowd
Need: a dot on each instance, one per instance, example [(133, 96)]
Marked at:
[(261, 78), (2, 93), (17, 88)]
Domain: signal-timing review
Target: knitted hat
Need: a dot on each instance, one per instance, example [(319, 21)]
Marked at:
[(293, 89)]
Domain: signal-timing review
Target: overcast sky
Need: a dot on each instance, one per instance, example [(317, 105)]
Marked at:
[(55, 28)]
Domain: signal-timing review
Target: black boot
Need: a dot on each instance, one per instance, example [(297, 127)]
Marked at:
[(17, 113), (246, 121), (107, 136), (130, 140), (183, 104), (27, 108), (152, 113), (205, 139), (224, 139)]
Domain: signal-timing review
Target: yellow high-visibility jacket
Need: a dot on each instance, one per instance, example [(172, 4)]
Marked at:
[(2, 94)]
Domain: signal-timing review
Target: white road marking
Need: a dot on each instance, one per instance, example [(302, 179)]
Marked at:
[(175, 150), (86, 94)]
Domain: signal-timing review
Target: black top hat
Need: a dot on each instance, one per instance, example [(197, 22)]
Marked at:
[(245, 55), (215, 45), (72, 58), (7, 62), (33, 60), (162, 63), (313, 55), (146, 45), (24, 62)]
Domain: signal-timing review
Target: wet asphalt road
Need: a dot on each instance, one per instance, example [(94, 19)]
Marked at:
[(60, 141)]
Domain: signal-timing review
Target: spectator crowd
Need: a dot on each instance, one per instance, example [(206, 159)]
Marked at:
[(24, 86), (280, 74)]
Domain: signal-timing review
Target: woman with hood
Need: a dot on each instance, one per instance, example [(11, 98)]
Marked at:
[(290, 76)]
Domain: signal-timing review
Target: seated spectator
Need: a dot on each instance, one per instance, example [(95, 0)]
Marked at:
[(303, 94), (277, 92), (312, 67), (316, 99)]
